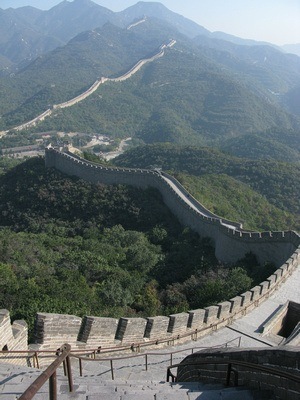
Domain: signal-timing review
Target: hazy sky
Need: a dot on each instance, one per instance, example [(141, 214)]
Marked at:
[(275, 21)]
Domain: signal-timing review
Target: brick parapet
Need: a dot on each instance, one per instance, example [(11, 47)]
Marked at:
[(13, 337), (95, 332)]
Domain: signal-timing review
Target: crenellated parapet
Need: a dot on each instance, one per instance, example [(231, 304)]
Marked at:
[(230, 240), (92, 332), (13, 337)]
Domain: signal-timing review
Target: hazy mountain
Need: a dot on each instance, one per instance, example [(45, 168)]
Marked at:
[(27, 32), (68, 19), (238, 40), (292, 48), (20, 38), (264, 69), (158, 10), (204, 90), (184, 97)]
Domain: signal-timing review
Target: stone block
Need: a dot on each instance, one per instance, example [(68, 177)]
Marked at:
[(264, 287), (284, 269), (236, 304), (256, 291), (157, 327), (56, 327), (224, 309), (289, 263), (246, 298), (211, 315), (196, 319), (178, 323), (131, 330), (98, 331), (272, 279)]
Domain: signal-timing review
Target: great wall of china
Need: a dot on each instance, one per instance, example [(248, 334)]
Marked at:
[(231, 243), (94, 87)]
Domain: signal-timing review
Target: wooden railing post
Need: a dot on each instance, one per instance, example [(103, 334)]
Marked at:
[(80, 366), (53, 386), (69, 372), (48, 374)]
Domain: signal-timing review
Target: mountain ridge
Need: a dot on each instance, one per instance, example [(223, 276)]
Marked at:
[(76, 16), (214, 100), (203, 91)]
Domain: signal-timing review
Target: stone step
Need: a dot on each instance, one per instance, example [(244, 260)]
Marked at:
[(136, 385), (224, 394)]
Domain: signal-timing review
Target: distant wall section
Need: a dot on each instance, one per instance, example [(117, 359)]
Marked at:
[(230, 240)]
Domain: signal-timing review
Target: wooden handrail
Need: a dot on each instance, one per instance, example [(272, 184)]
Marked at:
[(50, 374), (145, 355), (115, 349)]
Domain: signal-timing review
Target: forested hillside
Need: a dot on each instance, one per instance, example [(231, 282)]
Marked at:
[(68, 246), (195, 94), (264, 194)]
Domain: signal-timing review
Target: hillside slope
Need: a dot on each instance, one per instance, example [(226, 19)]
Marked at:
[(63, 250), (183, 97), (262, 193)]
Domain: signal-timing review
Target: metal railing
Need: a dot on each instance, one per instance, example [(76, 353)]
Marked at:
[(63, 357)]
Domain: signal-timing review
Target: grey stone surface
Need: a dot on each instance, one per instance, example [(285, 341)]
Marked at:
[(196, 318), (211, 314), (178, 323), (157, 327)]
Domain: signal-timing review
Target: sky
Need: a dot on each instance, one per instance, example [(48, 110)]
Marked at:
[(274, 21)]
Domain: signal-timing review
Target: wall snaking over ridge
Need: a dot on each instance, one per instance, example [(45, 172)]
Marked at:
[(230, 240)]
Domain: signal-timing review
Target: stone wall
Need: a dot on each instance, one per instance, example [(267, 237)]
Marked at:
[(278, 358), (52, 330), (282, 248), (13, 337), (230, 240)]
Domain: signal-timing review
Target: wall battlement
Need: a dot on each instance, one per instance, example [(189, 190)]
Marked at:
[(13, 337), (230, 240), (91, 332)]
